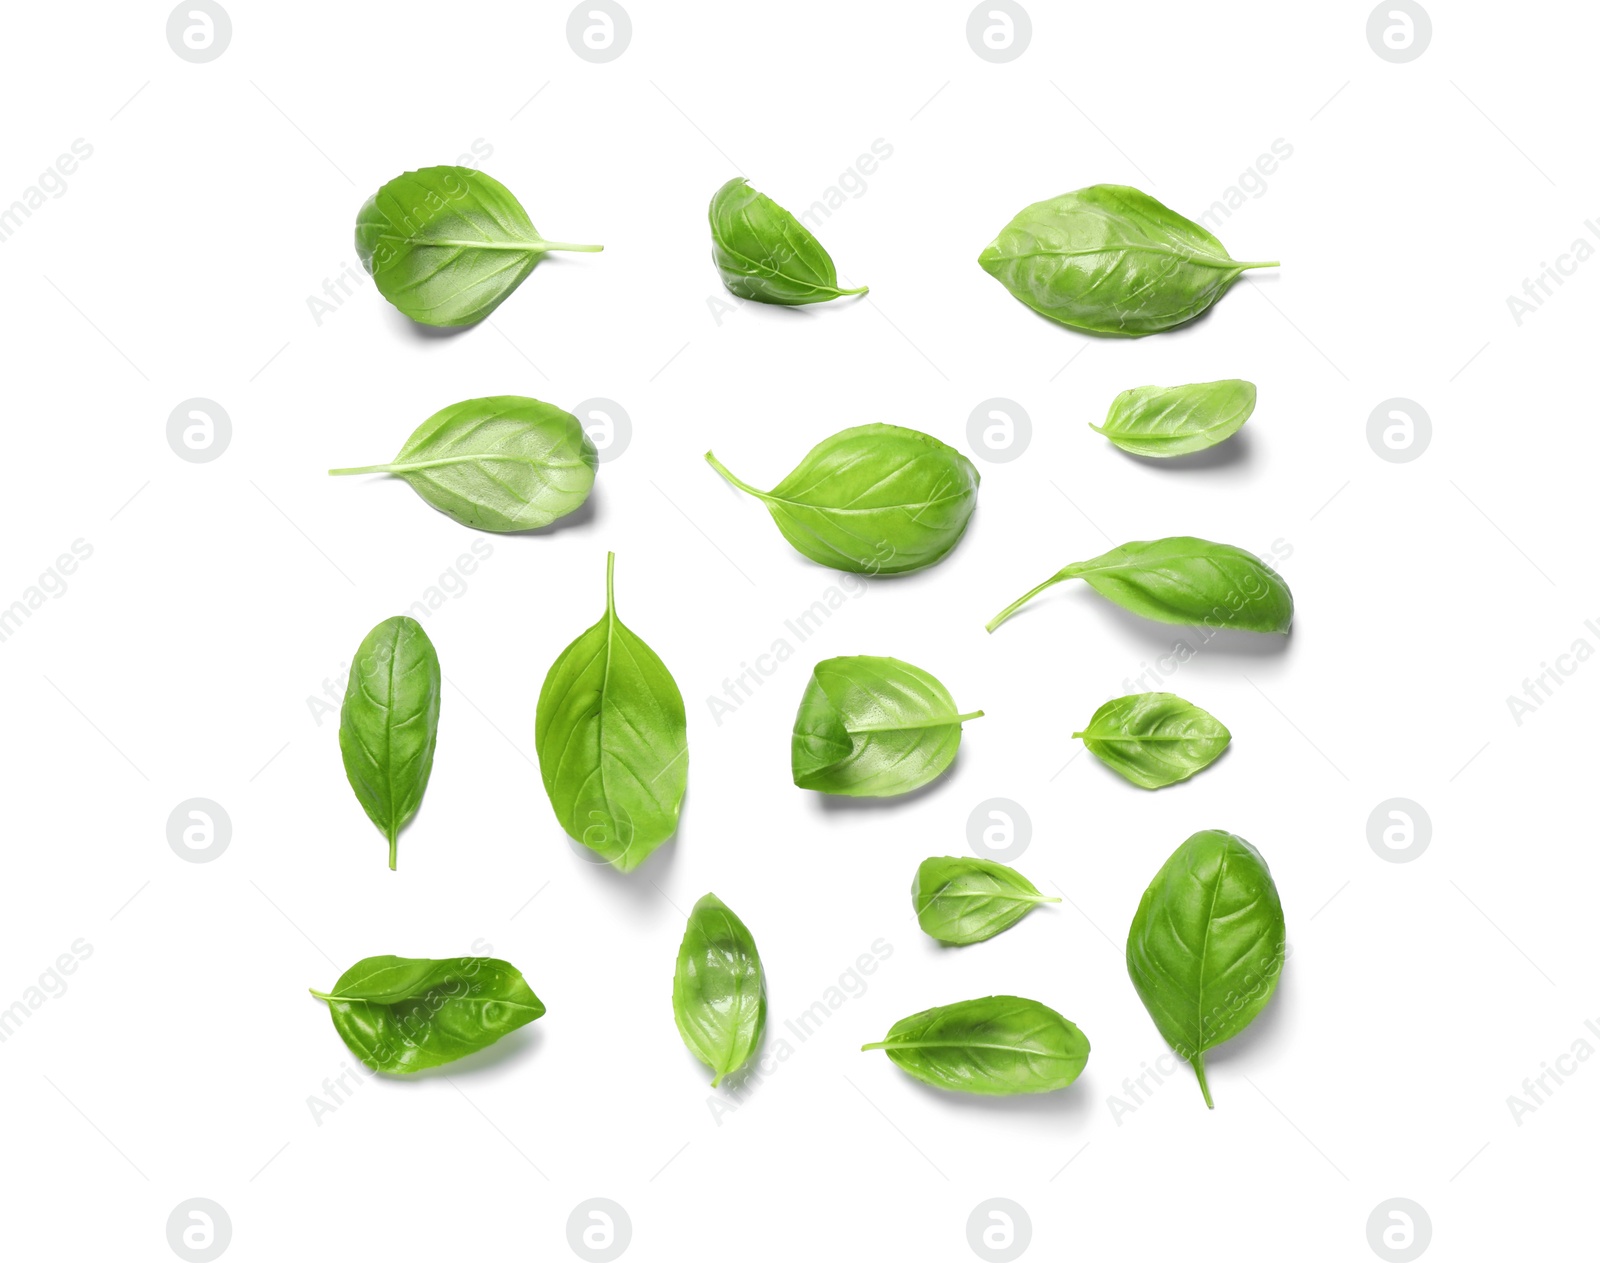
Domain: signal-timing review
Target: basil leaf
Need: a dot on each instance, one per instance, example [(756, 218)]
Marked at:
[(390, 722), (1110, 259), (765, 253), (872, 728), (1001, 1045), (447, 245), (1207, 945), (876, 499), (401, 1015), (612, 741), (1181, 580), (962, 901), (1154, 739), (719, 995), (1175, 420)]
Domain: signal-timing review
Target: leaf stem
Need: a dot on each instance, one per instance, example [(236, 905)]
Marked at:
[(843, 292), (870, 1047), (1198, 1061), (1247, 266), (321, 995), (567, 245), (1020, 602), (611, 601), (362, 469), (393, 846), (976, 714), (723, 470)]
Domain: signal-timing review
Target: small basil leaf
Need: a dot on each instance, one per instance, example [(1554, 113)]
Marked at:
[(612, 741), (1207, 945), (962, 901), (401, 1015), (765, 253), (872, 728), (1154, 739), (503, 463), (719, 995), (447, 245), (390, 722), (1176, 420), (1110, 259), (1181, 580), (1001, 1045), (876, 499)]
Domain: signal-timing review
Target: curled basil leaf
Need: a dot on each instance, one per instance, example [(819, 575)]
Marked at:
[(1207, 945), (1001, 1045), (401, 1015), (389, 723), (872, 728), (502, 463), (1154, 739), (447, 245), (966, 900), (612, 741), (876, 499), (1176, 420), (719, 994), (1110, 259), (1181, 580), (765, 253)]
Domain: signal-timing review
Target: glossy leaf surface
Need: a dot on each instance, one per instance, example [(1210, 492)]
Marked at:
[(1000, 1045), (1154, 739), (1176, 420), (765, 253), (719, 995), (960, 900)]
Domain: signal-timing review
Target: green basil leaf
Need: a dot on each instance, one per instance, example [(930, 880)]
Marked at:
[(1207, 945), (447, 245), (1181, 580), (876, 499), (1001, 1045), (612, 740), (502, 463), (401, 1015), (719, 995), (1154, 739), (1110, 259), (390, 722), (1176, 420), (765, 253), (872, 728), (967, 900)]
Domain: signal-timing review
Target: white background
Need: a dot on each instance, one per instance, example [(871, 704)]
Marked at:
[(220, 597)]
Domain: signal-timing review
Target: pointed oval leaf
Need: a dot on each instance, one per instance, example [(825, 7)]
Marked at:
[(765, 253), (1154, 739), (719, 994), (1001, 1045), (960, 900), (1175, 420)]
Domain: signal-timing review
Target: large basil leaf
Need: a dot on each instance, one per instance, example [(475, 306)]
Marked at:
[(719, 994), (1154, 739), (872, 728), (447, 245), (503, 463), (1181, 580), (612, 740), (390, 722), (967, 900), (1175, 420), (401, 1015), (876, 499), (765, 253), (1001, 1045), (1110, 259), (1207, 945)]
